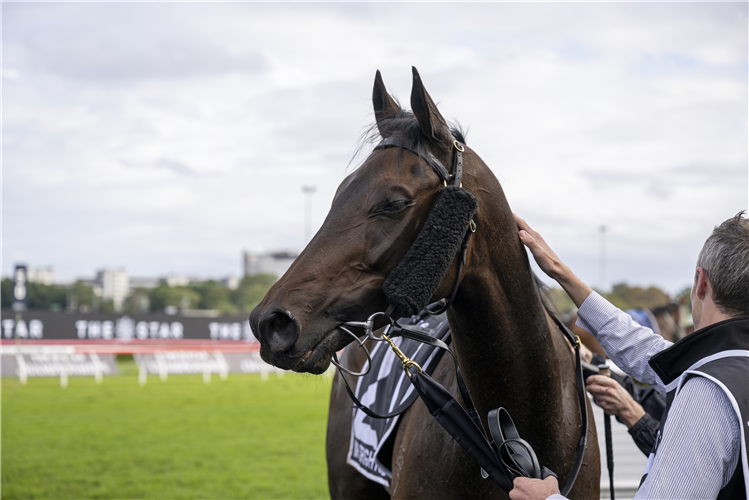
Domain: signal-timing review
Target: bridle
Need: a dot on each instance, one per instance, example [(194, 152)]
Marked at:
[(456, 178)]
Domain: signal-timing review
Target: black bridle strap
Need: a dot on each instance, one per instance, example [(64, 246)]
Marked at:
[(457, 178), (427, 156), (583, 400), (457, 175)]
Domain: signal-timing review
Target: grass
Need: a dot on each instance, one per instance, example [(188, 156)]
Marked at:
[(239, 438)]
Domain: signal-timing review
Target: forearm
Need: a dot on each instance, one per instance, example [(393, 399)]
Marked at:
[(631, 414), (574, 286), (628, 344)]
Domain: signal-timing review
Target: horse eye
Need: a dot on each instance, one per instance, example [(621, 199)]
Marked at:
[(391, 207)]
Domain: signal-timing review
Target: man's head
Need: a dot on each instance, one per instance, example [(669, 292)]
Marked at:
[(721, 284)]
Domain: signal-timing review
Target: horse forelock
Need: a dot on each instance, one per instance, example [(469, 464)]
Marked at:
[(405, 127)]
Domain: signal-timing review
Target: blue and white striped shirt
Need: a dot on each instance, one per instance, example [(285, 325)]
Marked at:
[(701, 443)]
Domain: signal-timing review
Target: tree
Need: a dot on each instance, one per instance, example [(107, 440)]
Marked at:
[(561, 301), (181, 297), (625, 297), (6, 299), (81, 297), (38, 295), (251, 291)]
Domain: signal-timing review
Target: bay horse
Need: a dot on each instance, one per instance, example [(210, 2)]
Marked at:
[(509, 350)]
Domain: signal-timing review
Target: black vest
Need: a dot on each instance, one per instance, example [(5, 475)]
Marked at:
[(718, 352)]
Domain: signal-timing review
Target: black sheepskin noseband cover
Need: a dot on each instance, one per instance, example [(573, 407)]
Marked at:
[(413, 282)]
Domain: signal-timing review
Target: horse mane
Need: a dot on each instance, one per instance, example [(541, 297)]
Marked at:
[(405, 127), (546, 299)]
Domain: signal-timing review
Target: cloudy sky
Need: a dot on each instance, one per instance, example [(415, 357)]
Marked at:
[(168, 137)]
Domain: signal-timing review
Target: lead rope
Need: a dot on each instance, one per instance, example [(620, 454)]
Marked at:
[(455, 419)]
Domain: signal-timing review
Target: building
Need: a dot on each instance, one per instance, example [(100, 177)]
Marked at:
[(114, 285), (276, 263), (177, 280), (231, 282), (144, 282), (43, 275)]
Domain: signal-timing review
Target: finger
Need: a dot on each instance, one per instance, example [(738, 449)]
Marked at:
[(526, 238), (520, 222), (598, 391), (603, 381), (517, 491), (594, 383)]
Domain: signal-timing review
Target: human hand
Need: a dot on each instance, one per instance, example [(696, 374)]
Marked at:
[(614, 399), (585, 353), (545, 257), (552, 265), (525, 488)]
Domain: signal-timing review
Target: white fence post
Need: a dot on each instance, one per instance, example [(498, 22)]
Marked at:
[(223, 366), (22, 372), (64, 373), (142, 369), (98, 372), (163, 372)]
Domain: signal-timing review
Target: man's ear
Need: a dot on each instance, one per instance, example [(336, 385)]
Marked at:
[(702, 285)]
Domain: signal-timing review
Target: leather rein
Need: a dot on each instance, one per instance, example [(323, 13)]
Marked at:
[(507, 456)]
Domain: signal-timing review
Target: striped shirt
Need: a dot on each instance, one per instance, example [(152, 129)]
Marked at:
[(701, 441)]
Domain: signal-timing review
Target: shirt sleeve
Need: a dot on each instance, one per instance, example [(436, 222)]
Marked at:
[(627, 343), (699, 449), (644, 432)]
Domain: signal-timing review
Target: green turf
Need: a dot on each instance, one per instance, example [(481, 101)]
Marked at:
[(239, 438)]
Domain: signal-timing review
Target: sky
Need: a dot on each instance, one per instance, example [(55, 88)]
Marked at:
[(169, 137)]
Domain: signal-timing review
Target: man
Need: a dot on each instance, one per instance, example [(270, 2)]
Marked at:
[(701, 448)]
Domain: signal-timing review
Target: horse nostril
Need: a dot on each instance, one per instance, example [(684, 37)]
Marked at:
[(280, 321), (280, 329)]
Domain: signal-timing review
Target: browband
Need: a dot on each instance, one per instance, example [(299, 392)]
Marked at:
[(429, 158)]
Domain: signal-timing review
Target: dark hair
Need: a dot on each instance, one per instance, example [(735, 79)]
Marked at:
[(725, 259)]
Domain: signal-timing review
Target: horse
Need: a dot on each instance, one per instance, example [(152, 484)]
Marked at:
[(509, 350)]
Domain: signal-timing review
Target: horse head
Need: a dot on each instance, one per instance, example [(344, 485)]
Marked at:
[(376, 215)]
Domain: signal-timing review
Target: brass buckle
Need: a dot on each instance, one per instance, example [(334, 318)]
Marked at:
[(407, 363), (458, 145)]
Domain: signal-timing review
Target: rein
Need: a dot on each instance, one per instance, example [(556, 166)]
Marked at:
[(507, 456)]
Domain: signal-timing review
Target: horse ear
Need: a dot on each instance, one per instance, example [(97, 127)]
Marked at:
[(431, 121), (385, 106)]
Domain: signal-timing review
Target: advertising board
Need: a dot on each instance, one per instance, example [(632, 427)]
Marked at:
[(48, 325)]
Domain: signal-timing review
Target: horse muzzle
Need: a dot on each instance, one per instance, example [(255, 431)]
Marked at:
[(276, 328)]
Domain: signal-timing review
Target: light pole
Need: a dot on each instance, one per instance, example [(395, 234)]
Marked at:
[(308, 190), (602, 258)]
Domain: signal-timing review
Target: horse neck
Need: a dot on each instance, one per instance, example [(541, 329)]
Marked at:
[(507, 353)]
